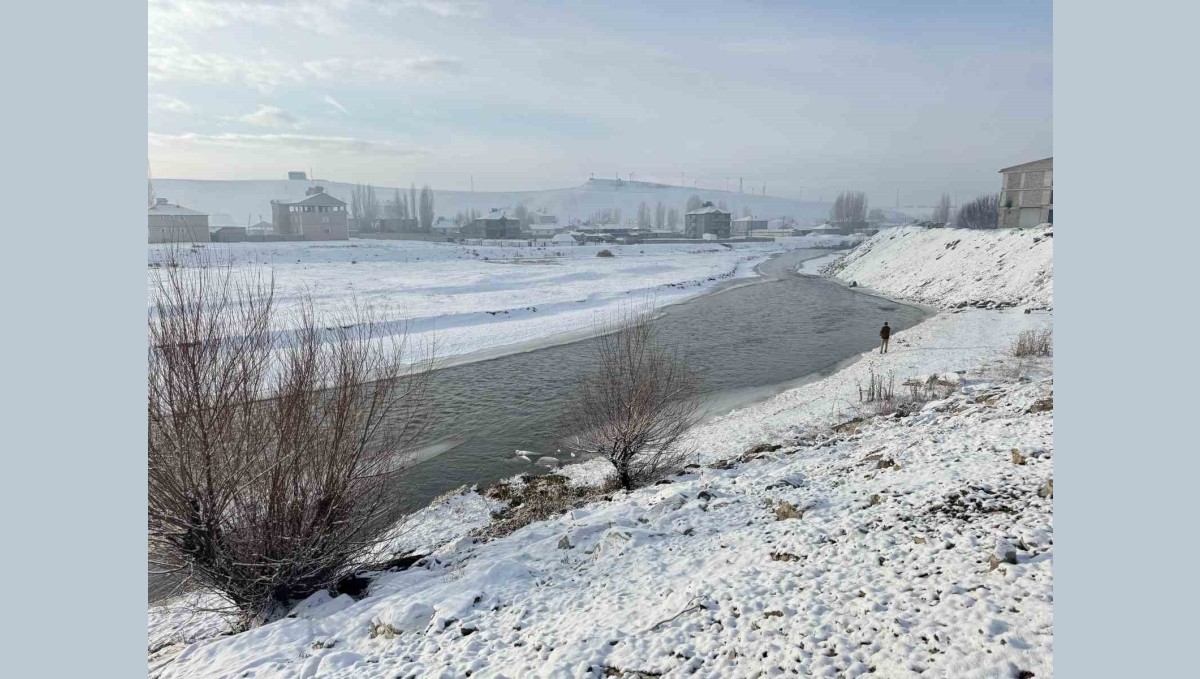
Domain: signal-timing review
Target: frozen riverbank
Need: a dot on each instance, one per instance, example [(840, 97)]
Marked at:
[(482, 299), (883, 563)]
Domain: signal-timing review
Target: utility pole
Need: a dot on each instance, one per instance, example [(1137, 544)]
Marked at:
[(740, 190)]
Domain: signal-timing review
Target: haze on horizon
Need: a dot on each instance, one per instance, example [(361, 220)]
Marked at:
[(807, 99)]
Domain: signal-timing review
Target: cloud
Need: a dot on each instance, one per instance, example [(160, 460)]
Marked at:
[(168, 17), (336, 104), (443, 8), (283, 143), (270, 116), (177, 64), (162, 102)]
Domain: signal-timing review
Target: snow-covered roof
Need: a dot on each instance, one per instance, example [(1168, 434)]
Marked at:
[(320, 198), (708, 209), (750, 219), (495, 215), (264, 224), (563, 238), (164, 208)]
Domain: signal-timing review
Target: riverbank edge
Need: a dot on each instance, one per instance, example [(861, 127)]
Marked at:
[(559, 339)]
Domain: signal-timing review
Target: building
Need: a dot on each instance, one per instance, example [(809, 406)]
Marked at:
[(228, 234), (262, 228), (397, 225), (742, 227), (496, 224), (176, 224), (319, 216), (707, 219), (543, 230), (1027, 194), (298, 176), (446, 227)]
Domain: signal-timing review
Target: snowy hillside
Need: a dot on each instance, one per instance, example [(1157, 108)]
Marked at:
[(950, 268), (250, 199)]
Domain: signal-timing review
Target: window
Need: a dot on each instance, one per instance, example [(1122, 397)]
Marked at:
[(1048, 178)]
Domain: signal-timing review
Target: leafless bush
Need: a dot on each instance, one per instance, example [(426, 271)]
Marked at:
[(636, 407), (876, 389), (878, 396), (1034, 343), (981, 213), (271, 452), (604, 253)]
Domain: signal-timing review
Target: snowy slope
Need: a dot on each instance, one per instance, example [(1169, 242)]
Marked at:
[(250, 199), (956, 267)]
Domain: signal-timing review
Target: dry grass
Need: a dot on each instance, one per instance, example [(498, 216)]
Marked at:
[(539, 498), (1033, 343)]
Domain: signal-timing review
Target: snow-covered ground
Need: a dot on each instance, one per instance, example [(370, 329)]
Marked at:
[(916, 545), (483, 298), (957, 267)]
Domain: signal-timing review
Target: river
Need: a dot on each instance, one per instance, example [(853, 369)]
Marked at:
[(749, 339)]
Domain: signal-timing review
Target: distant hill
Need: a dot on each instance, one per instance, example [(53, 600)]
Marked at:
[(250, 199)]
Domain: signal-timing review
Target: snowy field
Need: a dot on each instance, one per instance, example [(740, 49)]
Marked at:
[(913, 546), (483, 298)]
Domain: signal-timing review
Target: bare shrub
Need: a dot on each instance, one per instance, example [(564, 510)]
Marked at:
[(877, 389), (1034, 343), (272, 453), (634, 410), (604, 253), (981, 213), (878, 395)]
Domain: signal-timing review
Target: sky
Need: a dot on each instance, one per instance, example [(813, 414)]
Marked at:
[(805, 99)]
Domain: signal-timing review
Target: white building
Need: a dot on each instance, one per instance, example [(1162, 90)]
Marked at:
[(176, 224), (1027, 194)]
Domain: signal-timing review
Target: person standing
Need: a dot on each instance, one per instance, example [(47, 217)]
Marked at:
[(884, 333)]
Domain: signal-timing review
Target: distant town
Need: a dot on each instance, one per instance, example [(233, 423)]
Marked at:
[(1025, 199)]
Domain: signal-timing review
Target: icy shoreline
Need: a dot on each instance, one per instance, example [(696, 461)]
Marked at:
[(922, 545)]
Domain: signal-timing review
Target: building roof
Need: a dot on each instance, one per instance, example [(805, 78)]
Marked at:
[(264, 224), (750, 219), (708, 209), (1043, 164), (497, 215), (162, 207), (318, 198), (562, 238)]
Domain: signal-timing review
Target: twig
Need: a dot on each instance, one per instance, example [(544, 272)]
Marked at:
[(689, 609)]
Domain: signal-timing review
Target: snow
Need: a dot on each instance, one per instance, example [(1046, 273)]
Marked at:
[(957, 267), (894, 546), (471, 299)]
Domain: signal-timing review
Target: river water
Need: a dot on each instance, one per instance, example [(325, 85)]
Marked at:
[(750, 339)]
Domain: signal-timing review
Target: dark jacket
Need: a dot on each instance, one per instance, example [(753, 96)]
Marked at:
[(885, 332)]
